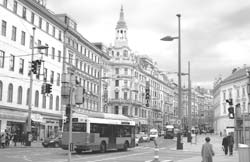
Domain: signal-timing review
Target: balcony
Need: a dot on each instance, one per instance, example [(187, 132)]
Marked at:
[(119, 101)]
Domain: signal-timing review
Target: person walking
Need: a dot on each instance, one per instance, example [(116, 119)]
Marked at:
[(225, 144), (3, 138), (230, 139), (207, 151)]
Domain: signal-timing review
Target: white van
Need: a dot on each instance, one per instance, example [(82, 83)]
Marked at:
[(153, 133)]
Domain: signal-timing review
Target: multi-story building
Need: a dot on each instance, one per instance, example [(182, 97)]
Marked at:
[(129, 77), (85, 61), (17, 20), (233, 87)]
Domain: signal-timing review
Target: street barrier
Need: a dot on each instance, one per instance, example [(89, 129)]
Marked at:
[(244, 153)]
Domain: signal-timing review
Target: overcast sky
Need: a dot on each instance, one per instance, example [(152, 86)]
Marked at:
[(215, 34)]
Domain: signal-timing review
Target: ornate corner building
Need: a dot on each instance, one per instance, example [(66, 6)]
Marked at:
[(129, 77)]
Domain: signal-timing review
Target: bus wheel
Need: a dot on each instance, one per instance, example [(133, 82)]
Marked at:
[(103, 147), (125, 146)]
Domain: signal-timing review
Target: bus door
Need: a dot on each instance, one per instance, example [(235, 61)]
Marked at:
[(112, 137)]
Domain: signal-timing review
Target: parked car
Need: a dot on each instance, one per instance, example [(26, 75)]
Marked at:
[(52, 141), (145, 137)]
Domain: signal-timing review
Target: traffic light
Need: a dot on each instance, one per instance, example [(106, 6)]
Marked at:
[(34, 67), (231, 112), (67, 112), (230, 101), (48, 88), (147, 94)]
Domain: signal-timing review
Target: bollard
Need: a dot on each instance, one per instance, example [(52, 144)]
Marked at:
[(156, 156)]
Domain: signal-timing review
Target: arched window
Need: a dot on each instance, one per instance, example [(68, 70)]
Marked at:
[(10, 92), (20, 95), (1, 90), (44, 102), (51, 102), (125, 53), (28, 96), (57, 103), (36, 99)]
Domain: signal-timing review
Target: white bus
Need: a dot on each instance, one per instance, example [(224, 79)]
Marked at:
[(99, 132)]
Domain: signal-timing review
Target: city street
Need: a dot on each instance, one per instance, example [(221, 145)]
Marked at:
[(143, 152)]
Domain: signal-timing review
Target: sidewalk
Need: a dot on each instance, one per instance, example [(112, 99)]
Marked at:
[(34, 144), (215, 141)]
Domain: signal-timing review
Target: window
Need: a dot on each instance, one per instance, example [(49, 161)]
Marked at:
[(125, 95), (36, 99), (244, 106), (1, 90), (15, 7), (238, 93), (243, 92), (12, 62), (39, 43), (117, 54), (5, 3), (117, 83), (1, 59), (51, 102), (125, 53), (47, 27), (32, 19), (60, 35), (116, 95), (13, 35), (76, 63), (52, 77), (224, 109), (126, 71), (53, 53), (19, 95), (70, 58), (58, 79), (31, 42), (116, 70), (46, 50), (45, 71), (57, 103), (125, 110), (54, 31), (24, 13), (40, 22), (224, 95), (23, 38), (44, 102), (21, 65), (4, 27), (10, 93), (59, 56), (136, 111), (116, 110)]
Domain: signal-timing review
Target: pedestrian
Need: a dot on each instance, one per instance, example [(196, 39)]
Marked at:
[(15, 138), (230, 139), (207, 151), (225, 145), (3, 138), (22, 138)]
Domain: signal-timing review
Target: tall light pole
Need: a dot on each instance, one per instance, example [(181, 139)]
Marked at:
[(169, 38), (28, 129)]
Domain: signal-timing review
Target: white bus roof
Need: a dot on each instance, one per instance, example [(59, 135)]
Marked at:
[(169, 126), (104, 118)]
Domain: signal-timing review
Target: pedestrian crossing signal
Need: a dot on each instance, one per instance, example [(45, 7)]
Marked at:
[(231, 112)]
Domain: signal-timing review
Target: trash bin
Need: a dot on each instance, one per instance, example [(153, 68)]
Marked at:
[(244, 153)]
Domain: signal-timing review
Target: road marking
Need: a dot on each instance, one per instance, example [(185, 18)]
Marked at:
[(26, 159), (112, 158)]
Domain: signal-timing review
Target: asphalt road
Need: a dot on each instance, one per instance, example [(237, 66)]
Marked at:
[(141, 153)]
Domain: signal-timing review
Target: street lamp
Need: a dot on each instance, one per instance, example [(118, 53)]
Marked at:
[(28, 133), (169, 38)]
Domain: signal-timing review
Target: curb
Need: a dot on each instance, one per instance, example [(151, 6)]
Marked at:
[(160, 161)]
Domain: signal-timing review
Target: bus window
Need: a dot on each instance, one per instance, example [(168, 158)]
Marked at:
[(125, 131), (76, 127)]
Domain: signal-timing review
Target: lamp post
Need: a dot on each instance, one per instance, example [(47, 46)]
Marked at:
[(28, 129), (169, 38)]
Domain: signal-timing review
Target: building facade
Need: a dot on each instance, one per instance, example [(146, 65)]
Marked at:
[(18, 18), (128, 79), (233, 87)]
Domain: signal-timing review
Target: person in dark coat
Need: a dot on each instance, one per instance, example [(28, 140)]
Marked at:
[(225, 144), (230, 139)]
